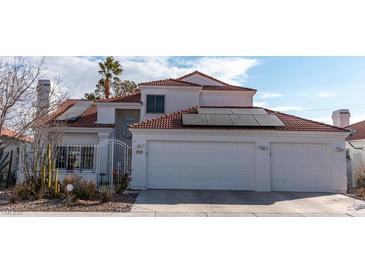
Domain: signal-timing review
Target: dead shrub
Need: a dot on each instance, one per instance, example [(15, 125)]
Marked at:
[(21, 192)]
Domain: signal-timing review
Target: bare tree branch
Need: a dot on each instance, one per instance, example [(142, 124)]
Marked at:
[(18, 94)]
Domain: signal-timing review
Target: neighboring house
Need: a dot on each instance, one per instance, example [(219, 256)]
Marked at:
[(10, 145), (197, 132), (355, 146)]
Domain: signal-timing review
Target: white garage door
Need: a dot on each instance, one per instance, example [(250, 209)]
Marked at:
[(300, 167), (200, 165)]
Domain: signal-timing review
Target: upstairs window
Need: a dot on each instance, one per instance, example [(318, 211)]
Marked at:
[(155, 104)]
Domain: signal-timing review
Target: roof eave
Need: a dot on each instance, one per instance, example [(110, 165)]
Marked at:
[(123, 105), (169, 87), (239, 131)]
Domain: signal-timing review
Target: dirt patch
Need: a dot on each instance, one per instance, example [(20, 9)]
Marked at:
[(357, 193), (119, 203)]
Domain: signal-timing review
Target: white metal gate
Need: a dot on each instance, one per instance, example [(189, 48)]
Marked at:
[(113, 159)]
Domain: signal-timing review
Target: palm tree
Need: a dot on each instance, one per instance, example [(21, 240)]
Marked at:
[(109, 69)]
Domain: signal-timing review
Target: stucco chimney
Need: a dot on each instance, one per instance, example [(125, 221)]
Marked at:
[(341, 118), (43, 91)]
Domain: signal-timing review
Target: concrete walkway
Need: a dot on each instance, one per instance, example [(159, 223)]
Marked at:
[(243, 203)]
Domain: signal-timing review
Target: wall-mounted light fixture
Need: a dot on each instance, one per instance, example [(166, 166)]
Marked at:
[(340, 149), (262, 147)]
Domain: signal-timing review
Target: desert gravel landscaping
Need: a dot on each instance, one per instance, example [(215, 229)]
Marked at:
[(118, 203)]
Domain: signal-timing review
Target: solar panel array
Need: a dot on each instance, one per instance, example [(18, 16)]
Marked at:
[(75, 112), (203, 110), (232, 117)]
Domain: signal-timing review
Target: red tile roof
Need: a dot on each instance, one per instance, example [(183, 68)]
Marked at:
[(9, 133), (131, 98), (358, 130), (89, 117), (292, 123), (227, 88), (179, 82), (169, 82)]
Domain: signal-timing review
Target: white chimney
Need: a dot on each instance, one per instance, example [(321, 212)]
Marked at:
[(341, 118), (43, 91)]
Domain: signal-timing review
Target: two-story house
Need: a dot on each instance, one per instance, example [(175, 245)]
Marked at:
[(197, 132)]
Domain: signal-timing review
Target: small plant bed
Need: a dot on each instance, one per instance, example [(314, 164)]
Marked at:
[(73, 195), (118, 203)]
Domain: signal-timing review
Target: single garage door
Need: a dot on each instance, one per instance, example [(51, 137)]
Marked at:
[(300, 167), (200, 165)]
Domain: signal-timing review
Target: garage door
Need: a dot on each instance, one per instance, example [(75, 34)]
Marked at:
[(200, 165), (300, 167)]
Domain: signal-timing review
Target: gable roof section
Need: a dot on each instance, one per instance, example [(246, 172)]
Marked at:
[(234, 88), (179, 82), (292, 123), (358, 131), (204, 75), (169, 82)]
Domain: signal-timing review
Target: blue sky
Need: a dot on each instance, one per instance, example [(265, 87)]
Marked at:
[(310, 87), (313, 86)]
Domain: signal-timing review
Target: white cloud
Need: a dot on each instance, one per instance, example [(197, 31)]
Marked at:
[(288, 108), (80, 74), (358, 117), (325, 94), (267, 95), (260, 104)]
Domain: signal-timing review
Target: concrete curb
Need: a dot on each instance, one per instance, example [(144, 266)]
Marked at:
[(173, 214)]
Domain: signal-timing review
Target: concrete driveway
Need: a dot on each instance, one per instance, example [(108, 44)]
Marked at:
[(244, 203)]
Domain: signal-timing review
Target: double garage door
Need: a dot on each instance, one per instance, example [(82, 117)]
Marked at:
[(232, 166)]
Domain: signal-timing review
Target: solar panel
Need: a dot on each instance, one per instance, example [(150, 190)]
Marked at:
[(243, 120), (248, 111), (214, 110), (219, 120), (75, 111), (268, 120), (261, 120), (194, 119)]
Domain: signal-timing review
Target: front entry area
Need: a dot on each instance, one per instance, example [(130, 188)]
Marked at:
[(200, 165)]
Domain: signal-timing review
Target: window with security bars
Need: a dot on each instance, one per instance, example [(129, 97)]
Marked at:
[(75, 157)]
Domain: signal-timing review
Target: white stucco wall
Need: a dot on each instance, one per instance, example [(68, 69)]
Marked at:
[(259, 138), (226, 98), (177, 99), (80, 138), (105, 115), (357, 155)]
